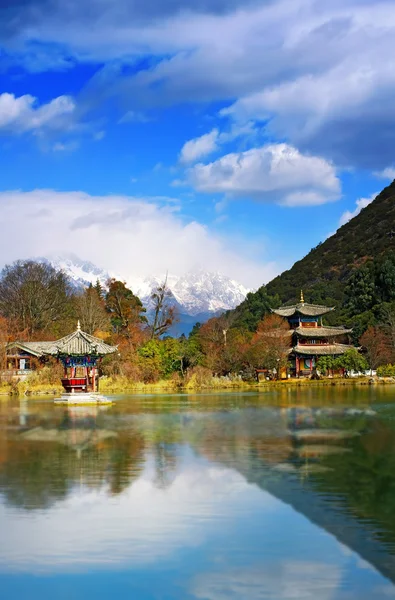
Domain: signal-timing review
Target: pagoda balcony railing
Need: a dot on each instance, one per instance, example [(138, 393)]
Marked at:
[(314, 343)]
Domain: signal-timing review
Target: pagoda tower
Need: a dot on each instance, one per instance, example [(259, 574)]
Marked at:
[(310, 337)]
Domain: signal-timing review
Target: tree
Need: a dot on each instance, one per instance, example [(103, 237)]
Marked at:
[(387, 319), (377, 346), (361, 290), (271, 343), (34, 295), (4, 339), (326, 364), (91, 310), (124, 307), (164, 313), (99, 289), (221, 345), (352, 360)]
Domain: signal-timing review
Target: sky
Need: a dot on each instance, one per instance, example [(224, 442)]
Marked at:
[(228, 135)]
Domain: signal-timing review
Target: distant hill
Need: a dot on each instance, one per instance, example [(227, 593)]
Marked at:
[(325, 272)]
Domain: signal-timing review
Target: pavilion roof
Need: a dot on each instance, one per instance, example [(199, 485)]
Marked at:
[(80, 343), (319, 332), (324, 350), (303, 308), (34, 348)]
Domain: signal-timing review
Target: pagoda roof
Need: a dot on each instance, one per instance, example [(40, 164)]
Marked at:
[(318, 332), (324, 350), (80, 343), (303, 308)]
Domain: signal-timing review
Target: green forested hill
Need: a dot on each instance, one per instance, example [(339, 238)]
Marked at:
[(353, 270)]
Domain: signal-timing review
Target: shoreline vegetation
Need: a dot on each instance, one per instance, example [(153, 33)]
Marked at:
[(122, 385), (38, 305)]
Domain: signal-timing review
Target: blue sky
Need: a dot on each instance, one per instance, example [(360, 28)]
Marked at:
[(228, 135)]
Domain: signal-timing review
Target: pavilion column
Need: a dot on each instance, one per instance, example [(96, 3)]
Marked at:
[(94, 379)]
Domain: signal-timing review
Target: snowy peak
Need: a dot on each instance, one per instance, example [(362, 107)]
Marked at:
[(194, 293), (80, 272)]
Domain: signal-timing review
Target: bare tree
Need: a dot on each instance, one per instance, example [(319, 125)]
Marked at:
[(92, 312), (164, 313), (34, 295)]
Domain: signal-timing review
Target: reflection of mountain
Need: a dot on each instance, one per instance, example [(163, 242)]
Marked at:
[(334, 466)]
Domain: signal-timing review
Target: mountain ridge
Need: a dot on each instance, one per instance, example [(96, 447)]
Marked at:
[(197, 293)]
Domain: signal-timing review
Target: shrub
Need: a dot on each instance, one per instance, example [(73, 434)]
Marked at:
[(386, 371)]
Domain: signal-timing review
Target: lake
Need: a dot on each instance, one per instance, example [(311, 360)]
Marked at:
[(281, 495)]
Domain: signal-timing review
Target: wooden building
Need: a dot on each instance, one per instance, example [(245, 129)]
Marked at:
[(310, 337), (79, 353), (23, 357)]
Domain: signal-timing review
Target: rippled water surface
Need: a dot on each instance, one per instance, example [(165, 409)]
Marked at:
[(268, 495)]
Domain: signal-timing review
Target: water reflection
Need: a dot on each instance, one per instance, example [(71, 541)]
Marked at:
[(228, 498)]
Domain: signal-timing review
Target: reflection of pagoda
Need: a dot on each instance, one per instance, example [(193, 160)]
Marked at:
[(310, 338)]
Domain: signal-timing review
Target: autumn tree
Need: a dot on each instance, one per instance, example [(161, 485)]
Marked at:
[(124, 307), (223, 346), (4, 339), (164, 312), (91, 310), (270, 344), (377, 346), (34, 295)]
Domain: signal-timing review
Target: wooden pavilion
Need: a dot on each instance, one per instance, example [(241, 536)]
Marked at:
[(80, 353)]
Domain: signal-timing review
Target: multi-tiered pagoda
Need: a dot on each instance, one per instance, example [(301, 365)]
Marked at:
[(310, 337)]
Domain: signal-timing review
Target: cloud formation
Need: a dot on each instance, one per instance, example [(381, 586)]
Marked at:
[(201, 146), (319, 73), (130, 237), (24, 114), (272, 173)]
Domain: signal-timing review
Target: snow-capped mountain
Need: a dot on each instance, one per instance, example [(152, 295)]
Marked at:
[(80, 272), (194, 293), (198, 292)]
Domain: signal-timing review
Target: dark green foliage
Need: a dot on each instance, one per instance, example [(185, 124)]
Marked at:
[(254, 307), (360, 291)]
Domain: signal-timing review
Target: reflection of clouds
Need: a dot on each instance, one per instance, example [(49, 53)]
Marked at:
[(282, 581), (140, 525), (287, 580)]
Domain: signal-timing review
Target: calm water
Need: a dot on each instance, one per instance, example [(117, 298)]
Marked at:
[(281, 495)]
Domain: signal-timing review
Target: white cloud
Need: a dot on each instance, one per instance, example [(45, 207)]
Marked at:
[(273, 173), (132, 237), (313, 69), (388, 173), (199, 147), (24, 113), (360, 204)]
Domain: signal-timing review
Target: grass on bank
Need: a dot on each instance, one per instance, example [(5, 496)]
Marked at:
[(47, 381)]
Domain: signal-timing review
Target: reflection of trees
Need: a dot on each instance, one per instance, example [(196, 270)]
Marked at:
[(165, 455), (34, 476), (41, 465)]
